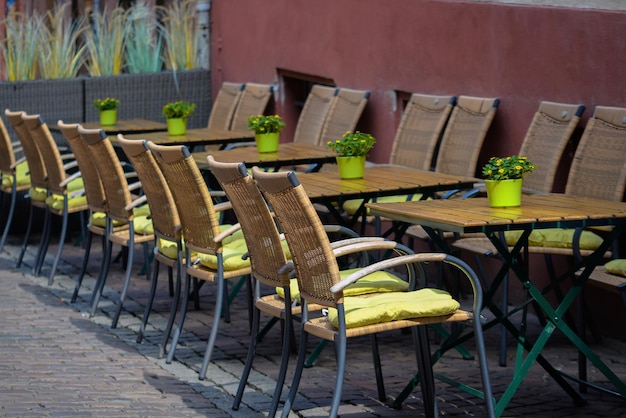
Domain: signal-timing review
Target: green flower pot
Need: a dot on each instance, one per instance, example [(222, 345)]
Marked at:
[(504, 193), (267, 142), (108, 117), (351, 167), (176, 126)]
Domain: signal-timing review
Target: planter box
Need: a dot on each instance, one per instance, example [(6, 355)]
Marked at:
[(143, 95), (52, 99)]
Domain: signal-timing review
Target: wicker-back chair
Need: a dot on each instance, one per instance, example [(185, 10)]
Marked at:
[(38, 190), (224, 105), (414, 145), (546, 139), (122, 208), (344, 113), (66, 192), (166, 225), (266, 258), (319, 282), (94, 191), (464, 135), (314, 114), (253, 101), (219, 248), (14, 175), (423, 121)]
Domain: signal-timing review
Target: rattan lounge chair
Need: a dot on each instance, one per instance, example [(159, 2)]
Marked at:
[(422, 124), (166, 225), (94, 191), (14, 175), (66, 192), (253, 101), (314, 113), (224, 106), (319, 282), (122, 208), (219, 247), (344, 113)]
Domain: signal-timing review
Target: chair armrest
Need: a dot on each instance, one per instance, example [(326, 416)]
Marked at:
[(137, 202), (220, 207), (226, 233)]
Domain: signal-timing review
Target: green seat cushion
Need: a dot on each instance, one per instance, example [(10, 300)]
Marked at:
[(617, 267), (21, 173), (386, 307), (143, 225), (351, 206), (233, 248), (55, 201), (377, 282), (100, 218), (38, 194), (556, 238), (168, 248)]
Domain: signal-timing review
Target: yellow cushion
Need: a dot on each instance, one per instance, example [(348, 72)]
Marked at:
[(351, 206), (55, 201), (168, 248), (100, 218), (21, 172), (617, 267), (232, 253), (143, 225), (377, 282), (556, 238), (76, 184), (385, 307), (38, 194)]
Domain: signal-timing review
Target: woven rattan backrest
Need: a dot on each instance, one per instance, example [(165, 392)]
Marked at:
[(111, 173), (224, 106), (314, 114), (257, 223), (36, 166), (311, 252), (7, 155), (599, 166), (94, 190), (344, 113), (49, 152), (420, 129), (464, 135), (253, 101), (193, 201), (163, 210), (546, 138)]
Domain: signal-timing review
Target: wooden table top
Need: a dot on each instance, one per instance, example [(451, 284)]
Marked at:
[(128, 126), (475, 214), (198, 136), (379, 180), (288, 154)]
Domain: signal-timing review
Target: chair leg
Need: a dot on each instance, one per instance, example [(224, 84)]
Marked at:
[(295, 382), (57, 257), (378, 370), (219, 303), (104, 271), (83, 267), (181, 322), (427, 378), (340, 345), (173, 309), (129, 271), (148, 308), (29, 228), (243, 380), (12, 205), (43, 245), (284, 362)]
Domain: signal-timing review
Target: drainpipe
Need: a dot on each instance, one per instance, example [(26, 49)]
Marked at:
[(203, 7)]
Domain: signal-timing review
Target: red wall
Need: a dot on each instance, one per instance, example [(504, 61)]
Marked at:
[(520, 54)]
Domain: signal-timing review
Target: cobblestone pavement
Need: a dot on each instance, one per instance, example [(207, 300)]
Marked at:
[(58, 362)]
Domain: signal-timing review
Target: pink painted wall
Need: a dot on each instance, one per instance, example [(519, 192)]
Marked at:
[(520, 54)]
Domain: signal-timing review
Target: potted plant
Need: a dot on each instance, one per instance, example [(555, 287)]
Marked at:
[(504, 179), (352, 151), (266, 130), (176, 114), (108, 110)]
